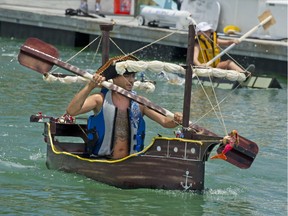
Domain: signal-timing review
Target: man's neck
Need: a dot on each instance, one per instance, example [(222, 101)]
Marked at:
[(120, 101)]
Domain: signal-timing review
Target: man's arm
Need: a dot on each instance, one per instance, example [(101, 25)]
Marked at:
[(82, 102), (196, 55), (226, 42), (163, 120)]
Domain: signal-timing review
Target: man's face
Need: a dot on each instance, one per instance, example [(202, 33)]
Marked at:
[(125, 81)]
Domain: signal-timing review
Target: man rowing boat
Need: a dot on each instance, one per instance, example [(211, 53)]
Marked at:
[(117, 127)]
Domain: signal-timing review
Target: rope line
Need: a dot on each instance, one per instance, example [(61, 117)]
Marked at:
[(144, 47), (216, 108), (97, 49), (79, 52), (220, 119)]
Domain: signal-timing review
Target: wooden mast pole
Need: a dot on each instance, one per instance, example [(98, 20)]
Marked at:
[(105, 28), (188, 79)]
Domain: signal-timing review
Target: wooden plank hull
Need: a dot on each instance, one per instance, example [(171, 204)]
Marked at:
[(167, 163), (136, 172)]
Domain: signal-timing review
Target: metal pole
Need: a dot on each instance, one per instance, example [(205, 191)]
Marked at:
[(105, 28), (188, 78)]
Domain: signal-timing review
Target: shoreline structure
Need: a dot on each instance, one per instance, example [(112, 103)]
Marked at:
[(47, 21)]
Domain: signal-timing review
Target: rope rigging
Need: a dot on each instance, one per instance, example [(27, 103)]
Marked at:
[(158, 67)]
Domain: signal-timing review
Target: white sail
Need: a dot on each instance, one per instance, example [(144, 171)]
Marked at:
[(152, 66), (158, 66), (66, 80), (231, 75), (155, 67)]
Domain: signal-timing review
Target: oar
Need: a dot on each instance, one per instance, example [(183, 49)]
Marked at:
[(266, 20), (41, 57)]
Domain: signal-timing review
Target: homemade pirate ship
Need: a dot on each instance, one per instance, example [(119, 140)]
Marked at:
[(180, 160)]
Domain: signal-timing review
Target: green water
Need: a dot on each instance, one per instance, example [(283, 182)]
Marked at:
[(27, 187)]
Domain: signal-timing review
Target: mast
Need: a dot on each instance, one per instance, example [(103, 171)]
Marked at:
[(105, 28), (188, 79)]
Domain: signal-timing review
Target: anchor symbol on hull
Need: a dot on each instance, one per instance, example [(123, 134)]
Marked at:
[(186, 186)]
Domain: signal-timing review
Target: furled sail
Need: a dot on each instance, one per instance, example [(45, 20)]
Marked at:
[(49, 77), (231, 75), (155, 67), (152, 66), (158, 66)]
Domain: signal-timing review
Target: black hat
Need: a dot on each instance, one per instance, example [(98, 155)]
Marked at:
[(108, 70)]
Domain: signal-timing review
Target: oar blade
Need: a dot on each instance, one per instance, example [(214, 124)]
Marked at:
[(242, 155), (264, 16), (31, 60)]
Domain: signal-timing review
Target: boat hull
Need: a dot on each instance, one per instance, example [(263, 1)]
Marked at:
[(167, 163), (143, 171)]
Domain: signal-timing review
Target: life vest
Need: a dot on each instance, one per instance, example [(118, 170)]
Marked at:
[(208, 49), (100, 128)]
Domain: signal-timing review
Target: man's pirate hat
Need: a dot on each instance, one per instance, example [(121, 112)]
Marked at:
[(108, 70)]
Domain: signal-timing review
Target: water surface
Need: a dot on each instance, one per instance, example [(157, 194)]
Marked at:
[(29, 188)]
